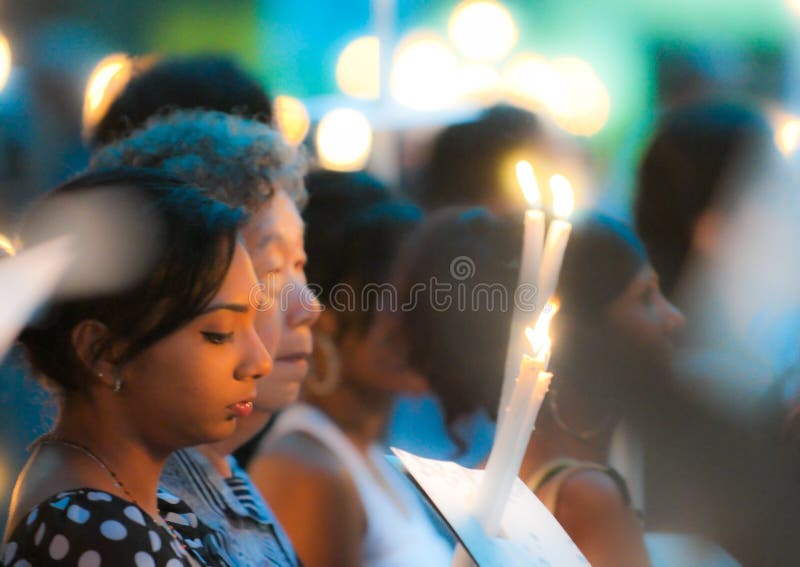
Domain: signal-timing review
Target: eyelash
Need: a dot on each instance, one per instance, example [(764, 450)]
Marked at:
[(217, 338)]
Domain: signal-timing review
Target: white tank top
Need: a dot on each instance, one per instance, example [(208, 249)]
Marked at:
[(395, 536)]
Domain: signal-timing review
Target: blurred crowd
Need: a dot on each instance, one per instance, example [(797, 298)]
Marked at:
[(175, 417)]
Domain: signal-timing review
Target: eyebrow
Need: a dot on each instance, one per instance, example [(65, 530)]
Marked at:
[(236, 307)]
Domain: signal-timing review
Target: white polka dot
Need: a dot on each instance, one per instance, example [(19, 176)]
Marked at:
[(22, 563), (9, 552), (143, 559), (99, 497), (112, 529), (134, 515), (174, 563), (89, 559), (155, 541), (37, 538), (59, 547), (32, 516), (77, 514)]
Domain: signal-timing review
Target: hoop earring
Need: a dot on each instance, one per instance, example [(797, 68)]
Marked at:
[(325, 382)]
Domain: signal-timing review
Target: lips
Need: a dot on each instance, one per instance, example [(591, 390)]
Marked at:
[(294, 357), (241, 409)]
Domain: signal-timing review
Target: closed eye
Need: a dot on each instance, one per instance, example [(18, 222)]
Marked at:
[(217, 338)]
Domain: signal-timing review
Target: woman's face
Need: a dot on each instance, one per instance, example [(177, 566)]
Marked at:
[(192, 386), (644, 317), (286, 307), (377, 360)]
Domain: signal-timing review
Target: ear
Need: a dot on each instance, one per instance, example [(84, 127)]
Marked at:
[(88, 339), (708, 233)]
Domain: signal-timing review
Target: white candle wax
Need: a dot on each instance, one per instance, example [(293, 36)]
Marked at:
[(532, 245), (494, 488), (519, 446), (552, 258)]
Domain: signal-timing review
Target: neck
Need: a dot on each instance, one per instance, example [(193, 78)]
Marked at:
[(136, 464), (362, 414), (246, 429), (550, 442)]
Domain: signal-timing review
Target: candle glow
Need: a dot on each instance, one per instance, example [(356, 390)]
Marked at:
[(527, 182), (563, 196), (6, 246)]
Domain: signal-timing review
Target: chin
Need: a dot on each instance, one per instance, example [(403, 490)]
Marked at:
[(279, 398)]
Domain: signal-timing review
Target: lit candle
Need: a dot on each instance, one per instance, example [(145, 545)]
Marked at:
[(557, 236), (524, 310), (520, 415)]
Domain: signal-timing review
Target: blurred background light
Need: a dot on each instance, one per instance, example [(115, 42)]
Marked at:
[(344, 140), (482, 30), (107, 79), (5, 61), (358, 68), (425, 71), (582, 105), (292, 118)]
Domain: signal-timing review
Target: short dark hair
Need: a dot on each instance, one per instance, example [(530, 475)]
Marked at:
[(465, 167), (195, 245), (207, 82), (461, 352), (354, 227)]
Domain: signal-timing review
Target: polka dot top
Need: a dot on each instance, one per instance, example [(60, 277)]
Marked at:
[(91, 528)]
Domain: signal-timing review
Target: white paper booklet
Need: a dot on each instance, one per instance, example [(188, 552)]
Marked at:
[(530, 535)]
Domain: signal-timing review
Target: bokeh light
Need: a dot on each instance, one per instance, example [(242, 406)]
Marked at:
[(482, 30), (583, 104), (344, 140), (358, 68), (106, 81), (292, 118), (530, 81), (425, 71), (5, 61), (479, 82), (787, 134)]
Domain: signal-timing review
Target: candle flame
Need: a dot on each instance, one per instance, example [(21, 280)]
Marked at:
[(563, 196), (6, 246), (527, 181), (539, 335)]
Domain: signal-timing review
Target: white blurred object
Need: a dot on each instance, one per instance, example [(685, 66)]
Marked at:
[(482, 30), (425, 72), (27, 281), (672, 550), (115, 238)]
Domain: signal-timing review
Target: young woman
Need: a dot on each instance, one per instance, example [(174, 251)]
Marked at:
[(612, 335), (321, 466), (165, 363), (242, 163)]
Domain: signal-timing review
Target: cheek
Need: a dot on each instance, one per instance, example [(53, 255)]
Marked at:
[(268, 327)]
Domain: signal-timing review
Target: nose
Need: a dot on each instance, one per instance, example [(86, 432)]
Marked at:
[(256, 360), (303, 307)]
